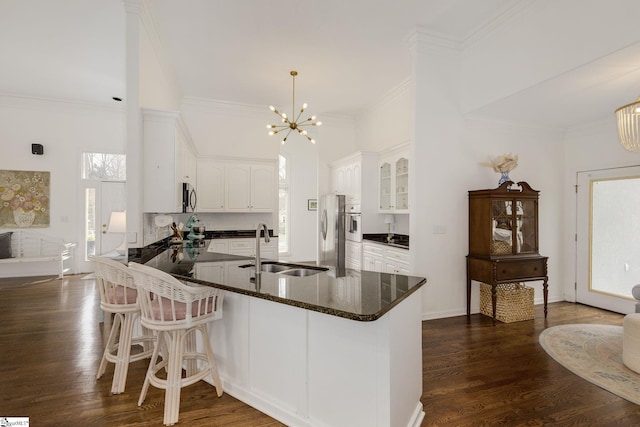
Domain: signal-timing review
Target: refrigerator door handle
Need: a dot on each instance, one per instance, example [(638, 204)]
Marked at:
[(323, 224)]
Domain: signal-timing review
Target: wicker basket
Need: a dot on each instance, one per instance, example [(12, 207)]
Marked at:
[(514, 302)]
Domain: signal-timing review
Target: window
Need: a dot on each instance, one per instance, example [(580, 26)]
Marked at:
[(104, 166), (283, 206)]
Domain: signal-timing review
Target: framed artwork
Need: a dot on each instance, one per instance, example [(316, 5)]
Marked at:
[(312, 204), (24, 199)]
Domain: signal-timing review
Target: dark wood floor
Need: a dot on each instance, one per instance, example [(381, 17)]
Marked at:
[(474, 374)]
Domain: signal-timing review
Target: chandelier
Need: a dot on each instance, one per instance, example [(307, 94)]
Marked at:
[(293, 123), (628, 117)]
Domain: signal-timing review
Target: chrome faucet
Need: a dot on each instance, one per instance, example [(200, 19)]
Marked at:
[(258, 262)]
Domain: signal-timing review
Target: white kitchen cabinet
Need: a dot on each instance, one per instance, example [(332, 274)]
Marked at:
[(243, 247), (250, 187), (222, 272), (211, 192), (396, 261), (393, 180), (350, 172), (353, 254), (372, 257), (169, 160), (385, 259), (247, 247), (220, 246), (210, 271)]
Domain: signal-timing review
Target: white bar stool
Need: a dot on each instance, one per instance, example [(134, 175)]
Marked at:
[(118, 295), (176, 311)]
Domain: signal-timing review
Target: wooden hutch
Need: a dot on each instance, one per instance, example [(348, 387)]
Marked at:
[(503, 239)]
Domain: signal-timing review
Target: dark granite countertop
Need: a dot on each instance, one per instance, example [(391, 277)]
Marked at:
[(143, 255), (399, 240), (358, 295)]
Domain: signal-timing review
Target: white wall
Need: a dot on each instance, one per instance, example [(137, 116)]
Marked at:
[(302, 157), (516, 55), (65, 130), (228, 129), (589, 147)]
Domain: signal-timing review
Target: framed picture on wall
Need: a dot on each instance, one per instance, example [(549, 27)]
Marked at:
[(312, 204)]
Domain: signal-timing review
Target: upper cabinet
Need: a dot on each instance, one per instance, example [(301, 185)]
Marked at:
[(237, 186), (349, 173), (393, 180), (169, 160), (251, 187), (211, 194)]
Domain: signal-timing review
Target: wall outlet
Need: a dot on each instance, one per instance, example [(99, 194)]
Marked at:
[(439, 229), (132, 237)]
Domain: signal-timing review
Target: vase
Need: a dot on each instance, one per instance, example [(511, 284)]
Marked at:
[(504, 177), (23, 219)]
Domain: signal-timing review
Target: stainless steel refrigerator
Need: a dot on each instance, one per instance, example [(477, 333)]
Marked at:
[(332, 215)]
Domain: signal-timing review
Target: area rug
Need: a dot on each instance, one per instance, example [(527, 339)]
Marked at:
[(593, 352)]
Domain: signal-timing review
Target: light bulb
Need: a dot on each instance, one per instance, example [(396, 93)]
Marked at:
[(317, 124), (313, 141), (272, 133), (270, 126), (304, 132), (272, 108), (312, 118), (284, 115)]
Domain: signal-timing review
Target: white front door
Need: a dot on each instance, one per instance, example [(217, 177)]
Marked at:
[(608, 238)]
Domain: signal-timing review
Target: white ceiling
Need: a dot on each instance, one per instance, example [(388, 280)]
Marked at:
[(349, 53)]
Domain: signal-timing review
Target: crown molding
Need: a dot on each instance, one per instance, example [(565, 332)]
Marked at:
[(505, 15), (400, 89), (424, 41), (9, 100)]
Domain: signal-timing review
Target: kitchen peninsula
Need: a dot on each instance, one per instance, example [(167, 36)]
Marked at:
[(313, 350)]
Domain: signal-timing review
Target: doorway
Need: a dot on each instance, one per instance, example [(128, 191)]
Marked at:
[(103, 191), (608, 238), (101, 198)]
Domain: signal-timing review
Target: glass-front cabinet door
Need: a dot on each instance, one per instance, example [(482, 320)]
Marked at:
[(394, 185), (402, 184), (514, 227), (385, 186)]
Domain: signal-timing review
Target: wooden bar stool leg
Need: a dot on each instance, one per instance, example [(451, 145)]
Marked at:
[(212, 363), (152, 366), (111, 343), (124, 352), (174, 378), (191, 364)]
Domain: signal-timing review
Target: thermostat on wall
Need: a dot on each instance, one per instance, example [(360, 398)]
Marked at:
[(37, 149)]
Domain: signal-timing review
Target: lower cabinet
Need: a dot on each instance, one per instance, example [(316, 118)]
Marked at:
[(383, 259), (373, 257), (353, 254), (221, 272), (245, 247), (397, 261)]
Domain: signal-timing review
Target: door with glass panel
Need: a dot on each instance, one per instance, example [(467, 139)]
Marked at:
[(103, 194), (608, 238)]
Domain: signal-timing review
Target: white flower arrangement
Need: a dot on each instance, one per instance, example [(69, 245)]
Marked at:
[(503, 163)]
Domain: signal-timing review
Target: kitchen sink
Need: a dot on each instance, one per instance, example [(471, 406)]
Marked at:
[(301, 272), (288, 269)]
